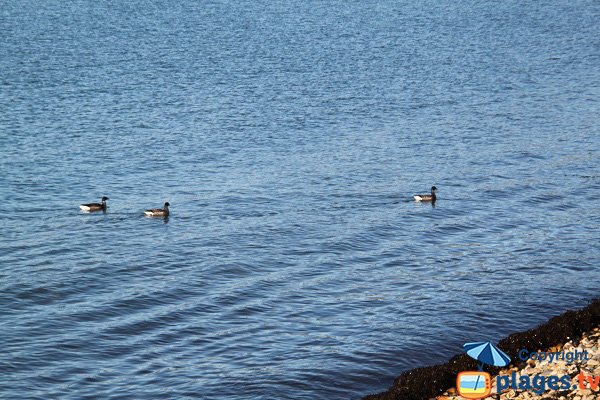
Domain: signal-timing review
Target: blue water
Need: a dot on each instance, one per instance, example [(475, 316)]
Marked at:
[(289, 137)]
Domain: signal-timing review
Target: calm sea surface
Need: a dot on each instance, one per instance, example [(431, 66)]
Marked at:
[(289, 137)]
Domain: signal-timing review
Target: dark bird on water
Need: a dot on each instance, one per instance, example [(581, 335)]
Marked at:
[(158, 212), (426, 197), (94, 206)]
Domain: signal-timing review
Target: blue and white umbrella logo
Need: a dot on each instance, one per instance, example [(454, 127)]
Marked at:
[(487, 353)]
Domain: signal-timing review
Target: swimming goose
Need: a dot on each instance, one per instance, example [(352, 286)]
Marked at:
[(426, 197), (158, 212), (95, 206)]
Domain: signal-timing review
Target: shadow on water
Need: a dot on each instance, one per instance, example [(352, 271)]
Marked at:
[(164, 219)]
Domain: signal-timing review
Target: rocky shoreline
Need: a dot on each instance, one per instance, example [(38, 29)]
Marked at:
[(581, 374), (572, 330)]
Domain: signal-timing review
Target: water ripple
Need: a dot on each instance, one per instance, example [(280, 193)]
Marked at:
[(289, 139)]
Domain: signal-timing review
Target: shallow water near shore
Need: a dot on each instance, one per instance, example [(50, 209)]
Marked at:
[(288, 138)]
